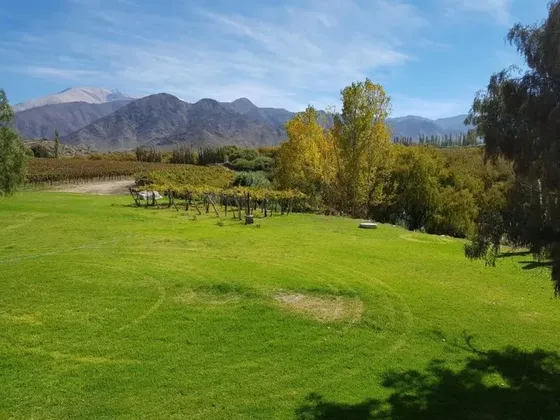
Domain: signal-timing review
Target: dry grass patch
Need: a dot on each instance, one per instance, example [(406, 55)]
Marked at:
[(29, 319), (426, 239), (322, 308)]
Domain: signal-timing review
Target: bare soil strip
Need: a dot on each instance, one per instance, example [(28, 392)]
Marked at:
[(117, 187)]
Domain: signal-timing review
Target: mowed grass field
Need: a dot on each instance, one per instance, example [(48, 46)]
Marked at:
[(112, 311)]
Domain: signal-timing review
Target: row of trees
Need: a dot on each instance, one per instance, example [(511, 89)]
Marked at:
[(344, 166), (467, 139), (354, 168), (237, 158)]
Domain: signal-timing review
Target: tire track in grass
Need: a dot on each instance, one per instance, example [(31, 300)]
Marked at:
[(366, 279), (407, 312), (21, 224), (362, 278), (92, 245), (151, 309), (161, 290), (330, 272)]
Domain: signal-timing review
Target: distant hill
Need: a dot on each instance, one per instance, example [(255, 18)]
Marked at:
[(41, 122), (456, 123), (273, 116), (76, 94), (414, 126), (164, 120)]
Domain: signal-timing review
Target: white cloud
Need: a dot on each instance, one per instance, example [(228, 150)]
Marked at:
[(277, 56), (500, 10), (59, 73)]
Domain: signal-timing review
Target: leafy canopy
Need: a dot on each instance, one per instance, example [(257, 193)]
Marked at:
[(12, 151), (518, 116)]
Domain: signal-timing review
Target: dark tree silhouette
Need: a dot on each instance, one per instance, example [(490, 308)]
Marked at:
[(518, 116)]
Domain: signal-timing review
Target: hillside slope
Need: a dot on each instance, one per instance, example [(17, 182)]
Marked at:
[(164, 120), (42, 121)]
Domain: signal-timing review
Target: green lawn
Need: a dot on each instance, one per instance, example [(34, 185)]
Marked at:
[(111, 311)]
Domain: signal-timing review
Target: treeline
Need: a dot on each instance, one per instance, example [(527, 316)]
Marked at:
[(467, 139), (234, 157), (353, 168)]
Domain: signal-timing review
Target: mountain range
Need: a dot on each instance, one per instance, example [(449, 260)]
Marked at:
[(414, 126), (109, 120), (76, 94), (41, 121)]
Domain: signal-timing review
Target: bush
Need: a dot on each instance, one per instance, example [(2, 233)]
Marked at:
[(251, 179), (249, 154), (263, 163), (41, 150), (243, 165), (269, 151), (235, 152)]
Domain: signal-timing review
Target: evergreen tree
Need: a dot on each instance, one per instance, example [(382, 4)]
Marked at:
[(56, 143)]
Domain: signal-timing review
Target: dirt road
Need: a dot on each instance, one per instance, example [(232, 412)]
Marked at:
[(98, 187)]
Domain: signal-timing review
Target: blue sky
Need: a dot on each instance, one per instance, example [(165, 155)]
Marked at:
[(430, 55)]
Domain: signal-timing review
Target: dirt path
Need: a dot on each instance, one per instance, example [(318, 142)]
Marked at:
[(98, 187)]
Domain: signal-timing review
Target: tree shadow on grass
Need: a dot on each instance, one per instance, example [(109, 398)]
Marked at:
[(531, 265), (505, 384), (315, 407), (514, 254)]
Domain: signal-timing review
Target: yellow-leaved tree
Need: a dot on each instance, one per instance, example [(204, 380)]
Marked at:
[(304, 158), (362, 142)]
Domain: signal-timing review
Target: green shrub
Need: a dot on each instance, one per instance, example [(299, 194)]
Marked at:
[(263, 163), (236, 152), (243, 165), (41, 150), (251, 179)]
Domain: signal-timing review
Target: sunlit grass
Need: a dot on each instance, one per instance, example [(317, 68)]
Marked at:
[(108, 310)]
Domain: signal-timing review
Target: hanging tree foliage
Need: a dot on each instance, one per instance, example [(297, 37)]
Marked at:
[(518, 116)]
